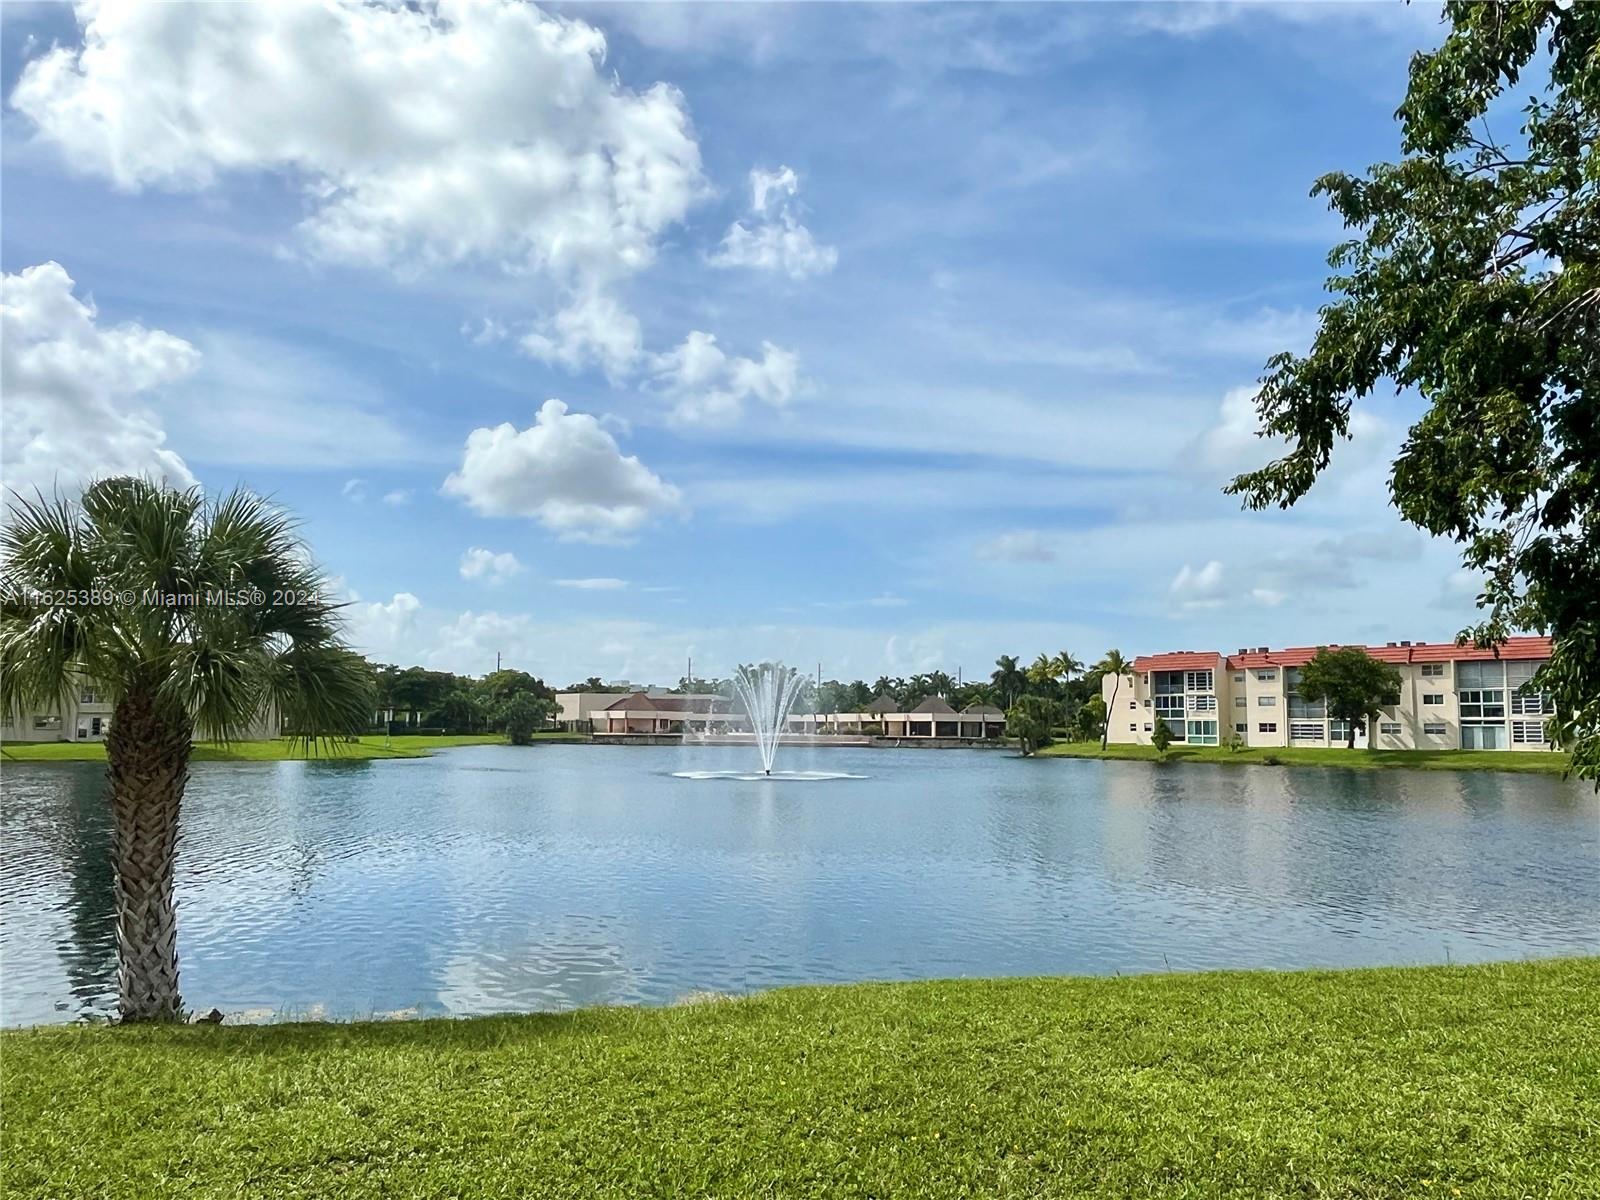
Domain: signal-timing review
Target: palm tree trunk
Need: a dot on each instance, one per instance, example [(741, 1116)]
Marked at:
[(1105, 728), (148, 755)]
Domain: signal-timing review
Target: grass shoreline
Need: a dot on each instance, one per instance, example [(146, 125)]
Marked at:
[(422, 746), (282, 749), (1450, 1081), (1535, 762)]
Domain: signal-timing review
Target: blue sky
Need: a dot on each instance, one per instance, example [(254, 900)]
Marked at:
[(966, 381)]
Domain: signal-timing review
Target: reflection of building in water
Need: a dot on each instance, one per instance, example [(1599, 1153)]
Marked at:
[(1451, 697)]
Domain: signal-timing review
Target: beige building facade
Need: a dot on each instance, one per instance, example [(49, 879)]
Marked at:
[(1451, 698), (86, 717)]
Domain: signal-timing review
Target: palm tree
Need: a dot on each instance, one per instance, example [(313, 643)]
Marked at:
[(1116, 666), (195, 617), (976, 693), (1042, 671), (1065, 666), (1008, 679)]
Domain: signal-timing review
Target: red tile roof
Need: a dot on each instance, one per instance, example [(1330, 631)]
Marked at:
[(644, 702), (1515, 648), (1182, 660)]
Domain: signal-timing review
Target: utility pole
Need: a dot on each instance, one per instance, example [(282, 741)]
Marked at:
[(497, 661)]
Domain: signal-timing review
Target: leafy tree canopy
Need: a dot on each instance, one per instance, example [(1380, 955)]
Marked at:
[(1031, 721), (1475, 279), (520, 713), (1351, 682)]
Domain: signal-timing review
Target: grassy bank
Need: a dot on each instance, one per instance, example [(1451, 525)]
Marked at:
[(277, 749), (1454, 1081), (1538, 762)]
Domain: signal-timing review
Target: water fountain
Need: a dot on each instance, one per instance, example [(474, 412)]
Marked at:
[(768, 692)]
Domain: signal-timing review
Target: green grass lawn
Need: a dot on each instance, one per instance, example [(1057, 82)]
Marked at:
[(1315, 756), (1448, 1081), (278, 749)]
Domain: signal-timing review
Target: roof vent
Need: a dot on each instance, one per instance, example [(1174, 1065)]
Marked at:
[(1405, 643), (1391, 645), (1242, 650)]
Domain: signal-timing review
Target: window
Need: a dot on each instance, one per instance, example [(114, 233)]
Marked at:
[(1338, 731), (1436, 699), (1148, 727), (1168, 682), (1133, 704), (1433, 670), (1266, 676), (1527, 733), (1242, 727), (1203, 733), (1267, 701), (1480, 675), (1522, 671), (1238, 676), (1306, 731), (87, 696), (1202, 704), (1525, 702), (1133, 727), (1435, 728), (1169, 706), (1198, 681), (1483, 737), (1389, 728), (47, 722), (1300, 709), (1486, 704), (1239, 701), (1267, 727)]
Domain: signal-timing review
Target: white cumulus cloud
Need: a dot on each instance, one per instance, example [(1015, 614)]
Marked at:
[(774, 240), (709, 387), (73, 388), (1200, 588), (594, 330), (427, 135), (593, 585), (478, 563), (565, 471), (384, 631)]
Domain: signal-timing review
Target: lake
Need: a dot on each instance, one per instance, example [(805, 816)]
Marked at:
[(498, 878)]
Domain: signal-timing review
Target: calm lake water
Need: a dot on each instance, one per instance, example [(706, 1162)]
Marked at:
[(495, 878)]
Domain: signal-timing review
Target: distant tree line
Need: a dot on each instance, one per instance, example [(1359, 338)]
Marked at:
[(505, 701)]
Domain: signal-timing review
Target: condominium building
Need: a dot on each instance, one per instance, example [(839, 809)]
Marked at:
[(1451, 697), (85, 716)]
